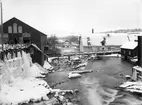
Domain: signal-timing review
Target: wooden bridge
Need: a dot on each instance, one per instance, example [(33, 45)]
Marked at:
[(97, 53)]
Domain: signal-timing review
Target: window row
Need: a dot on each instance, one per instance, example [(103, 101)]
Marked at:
[(129, 52), (15, 29)]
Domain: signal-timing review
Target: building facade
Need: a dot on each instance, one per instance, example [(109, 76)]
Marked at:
[(18, 32)]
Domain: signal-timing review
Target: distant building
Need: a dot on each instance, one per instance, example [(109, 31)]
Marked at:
[(18, 32), (129, 49)]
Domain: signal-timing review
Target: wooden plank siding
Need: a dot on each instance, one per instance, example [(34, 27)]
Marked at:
[(37, 37), (129, 52)]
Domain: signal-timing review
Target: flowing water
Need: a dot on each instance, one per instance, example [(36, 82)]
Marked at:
[(98, 87)]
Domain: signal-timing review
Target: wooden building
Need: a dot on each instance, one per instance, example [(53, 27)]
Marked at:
[(129, 50), (18, 32)]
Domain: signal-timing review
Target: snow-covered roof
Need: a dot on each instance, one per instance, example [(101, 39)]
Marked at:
[(130, 45)]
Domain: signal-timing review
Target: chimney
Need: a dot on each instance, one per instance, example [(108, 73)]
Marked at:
[(140, 51)]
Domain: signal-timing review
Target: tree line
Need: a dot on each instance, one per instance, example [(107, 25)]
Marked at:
[(124, 30)]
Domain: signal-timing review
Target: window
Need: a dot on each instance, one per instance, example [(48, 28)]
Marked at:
[(124, 52), (129, 52), (20, 29), (14, 28), (31, 50), (9, 29)]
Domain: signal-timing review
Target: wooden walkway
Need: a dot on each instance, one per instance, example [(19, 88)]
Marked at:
[(98, 53)]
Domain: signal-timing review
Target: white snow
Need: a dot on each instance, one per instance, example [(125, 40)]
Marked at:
[(18, 83), (82, 64), (73, 75), (134, 60), (47, 66), (75, 58), (132, 86), (138, 68), (130, 45), (113, 55), (23, 91)]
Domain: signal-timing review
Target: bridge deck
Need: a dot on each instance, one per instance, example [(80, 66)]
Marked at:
[(98, 53)]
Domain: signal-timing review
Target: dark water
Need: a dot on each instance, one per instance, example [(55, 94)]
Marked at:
[(98, 87)]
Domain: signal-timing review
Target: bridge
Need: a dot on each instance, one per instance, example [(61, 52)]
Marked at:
[(90, 53)]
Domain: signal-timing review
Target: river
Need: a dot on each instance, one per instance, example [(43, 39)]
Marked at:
[(98, 87)]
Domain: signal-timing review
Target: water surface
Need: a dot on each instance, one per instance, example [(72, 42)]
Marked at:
[(98, 87)]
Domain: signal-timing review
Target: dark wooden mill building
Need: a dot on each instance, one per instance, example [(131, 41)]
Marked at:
[(17, 32)]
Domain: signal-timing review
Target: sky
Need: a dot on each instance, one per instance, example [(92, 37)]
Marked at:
[(74, 17)]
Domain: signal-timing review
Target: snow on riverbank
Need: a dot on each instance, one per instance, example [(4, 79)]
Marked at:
[(18, 84), (22, 91), (47, 66), (114, 55)]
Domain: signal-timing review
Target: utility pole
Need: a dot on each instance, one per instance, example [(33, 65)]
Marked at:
[(1, 28)]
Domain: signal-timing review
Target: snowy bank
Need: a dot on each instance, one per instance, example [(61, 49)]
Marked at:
[(132, 86), (18, 82), (24, 91), (47, 66)]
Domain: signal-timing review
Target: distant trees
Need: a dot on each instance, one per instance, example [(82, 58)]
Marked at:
[(73, 38), (52, 42), (124, 30)]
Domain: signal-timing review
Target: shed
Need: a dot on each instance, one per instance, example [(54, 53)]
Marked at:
[(129, 49)]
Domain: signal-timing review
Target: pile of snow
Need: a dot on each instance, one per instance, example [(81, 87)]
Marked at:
[(113, 55), (93, 56), (75, 58), (134, 60), (132, 86), (24, 90), (73, 75), (82, 64), (34, 71), (51, 59), (18, 83), (47, 66)]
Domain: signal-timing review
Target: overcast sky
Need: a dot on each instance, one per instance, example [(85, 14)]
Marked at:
[(66, 17)]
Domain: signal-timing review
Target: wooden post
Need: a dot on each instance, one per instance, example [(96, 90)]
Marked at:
[(69, 57), (140, 51), (1, 28)]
